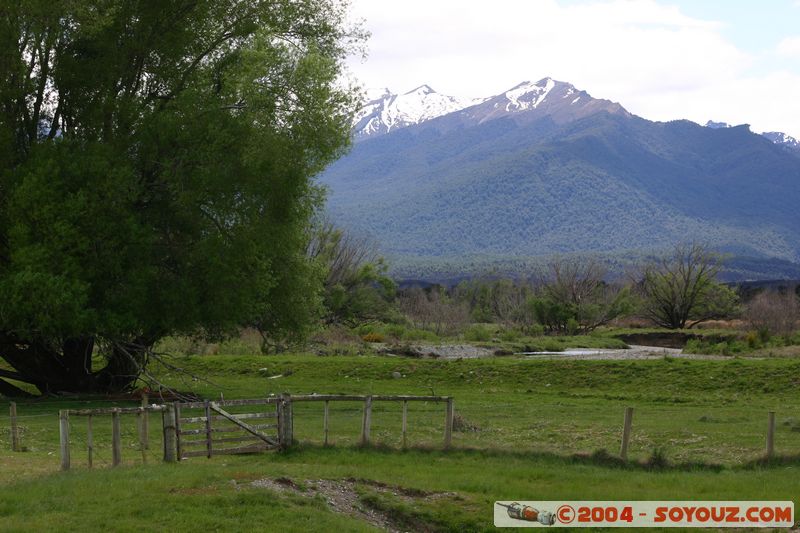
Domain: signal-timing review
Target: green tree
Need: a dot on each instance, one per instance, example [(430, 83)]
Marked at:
[(680, 290), (155, 173), (356, 287)]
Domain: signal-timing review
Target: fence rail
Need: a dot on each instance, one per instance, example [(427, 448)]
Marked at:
[(143, 428), (189, 434), (217, 439), (366, 419)]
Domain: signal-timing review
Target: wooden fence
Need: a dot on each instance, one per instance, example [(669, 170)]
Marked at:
[(142, 413), (366, 418), (184, 433), (214, 430)]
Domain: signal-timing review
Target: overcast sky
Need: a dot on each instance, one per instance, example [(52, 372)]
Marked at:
[(736, 61)]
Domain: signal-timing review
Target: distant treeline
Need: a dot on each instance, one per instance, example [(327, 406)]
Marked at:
[(410, 271)]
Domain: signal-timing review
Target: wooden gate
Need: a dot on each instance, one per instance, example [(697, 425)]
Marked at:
[(213, 428)]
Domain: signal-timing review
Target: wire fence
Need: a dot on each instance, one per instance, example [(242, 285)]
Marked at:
[(682, 433)]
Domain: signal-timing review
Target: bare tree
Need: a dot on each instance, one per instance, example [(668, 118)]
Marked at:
[(434, 309), (680, 290), (576, 292), (342, 253), (773, 313), (495, 300)]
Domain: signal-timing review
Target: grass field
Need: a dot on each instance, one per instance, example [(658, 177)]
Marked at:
[(528, 429)]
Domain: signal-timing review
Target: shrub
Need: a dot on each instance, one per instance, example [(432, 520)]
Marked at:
[(752, 339), (534, 330), (551, 345), (397, 331), (477, 333), (373, 337), (366, 329), (509, 335), (416, 334)]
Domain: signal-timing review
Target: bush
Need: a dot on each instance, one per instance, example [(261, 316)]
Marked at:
[(752, 339), (397, 331), (477, 333), (373, 337), (509, 335), (534, 330), (366, 329), (416, 334), (727, 347), (551, 345)]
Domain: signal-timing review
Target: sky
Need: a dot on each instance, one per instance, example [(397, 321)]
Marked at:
[(736, 61)]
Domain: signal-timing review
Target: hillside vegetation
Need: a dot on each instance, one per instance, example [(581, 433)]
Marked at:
[(604, 183)]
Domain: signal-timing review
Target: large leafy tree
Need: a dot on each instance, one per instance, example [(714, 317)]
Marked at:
[(155, 173)]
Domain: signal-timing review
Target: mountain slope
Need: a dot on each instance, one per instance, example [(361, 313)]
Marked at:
[(776, 137), (543, 174)]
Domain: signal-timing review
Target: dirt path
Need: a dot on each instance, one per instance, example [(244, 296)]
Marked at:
[(343, 497)]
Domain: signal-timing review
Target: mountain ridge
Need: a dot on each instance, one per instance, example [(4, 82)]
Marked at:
[(539, 175), (385, 111)]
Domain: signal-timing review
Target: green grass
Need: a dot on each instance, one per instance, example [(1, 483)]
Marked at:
[(532, 429)]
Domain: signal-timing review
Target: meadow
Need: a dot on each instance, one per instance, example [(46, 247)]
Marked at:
[(525, 429)]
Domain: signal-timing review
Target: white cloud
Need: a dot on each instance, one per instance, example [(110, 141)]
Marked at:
[(790, 47), (652, 58)]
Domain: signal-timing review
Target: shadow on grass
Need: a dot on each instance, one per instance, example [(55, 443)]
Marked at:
[(777, 461), (656, 462)]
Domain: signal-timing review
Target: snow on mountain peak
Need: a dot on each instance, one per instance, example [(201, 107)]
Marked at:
[(778, 137), (557, 99), (528, 95), (388, 111)]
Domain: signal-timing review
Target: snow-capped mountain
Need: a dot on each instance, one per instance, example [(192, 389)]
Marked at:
[(559, 100), (544, 168), (386, 111)]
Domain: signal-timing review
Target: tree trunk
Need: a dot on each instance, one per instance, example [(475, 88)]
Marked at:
[(68, 367)]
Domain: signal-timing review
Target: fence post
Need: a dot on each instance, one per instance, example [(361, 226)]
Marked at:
[(771, 435), (284, 408), (12, 412), (63, 426), (448, 424), (145, 422), (116, 439), (325, 422), (288, 419), (405, 420), (626, 433), (89, 440), (366, 420), (176, 407), (168, 420), (208, 429), (279, 413)]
